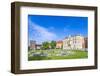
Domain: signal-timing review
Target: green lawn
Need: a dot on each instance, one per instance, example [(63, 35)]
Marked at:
[(55, 54)]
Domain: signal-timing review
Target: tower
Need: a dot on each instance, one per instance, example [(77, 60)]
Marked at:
[(32, 44)]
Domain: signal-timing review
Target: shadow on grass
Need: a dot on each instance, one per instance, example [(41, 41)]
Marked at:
[(38, 58)]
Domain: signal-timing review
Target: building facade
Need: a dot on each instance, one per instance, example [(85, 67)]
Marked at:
[(86, 42), (74, 42), (34, 46), (38, 46), (59, 44)]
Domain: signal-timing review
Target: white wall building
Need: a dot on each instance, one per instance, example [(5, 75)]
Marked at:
[(74, 42)]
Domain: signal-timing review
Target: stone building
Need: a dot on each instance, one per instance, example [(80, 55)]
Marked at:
[(34, 46), (74, 42), (59, 44)]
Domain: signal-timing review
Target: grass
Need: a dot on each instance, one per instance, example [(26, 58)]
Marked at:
[(55, 54)]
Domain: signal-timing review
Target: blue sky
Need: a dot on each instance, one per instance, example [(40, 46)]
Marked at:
[(46, 28)]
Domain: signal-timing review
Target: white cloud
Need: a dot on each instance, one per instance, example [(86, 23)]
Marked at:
[(40, 33)]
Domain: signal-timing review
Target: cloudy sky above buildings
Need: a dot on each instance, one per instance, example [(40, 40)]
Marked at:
[(46, 28)]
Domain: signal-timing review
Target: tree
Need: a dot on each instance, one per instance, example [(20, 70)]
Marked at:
[(62, 47), (53, 44), (28, 47), (45, 45)]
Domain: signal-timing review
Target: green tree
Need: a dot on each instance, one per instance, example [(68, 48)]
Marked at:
[(62, 47), (53, 44), (28, 47), (45, 45)]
